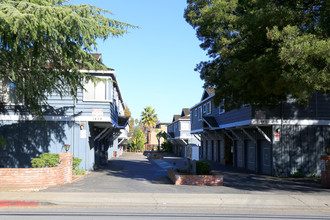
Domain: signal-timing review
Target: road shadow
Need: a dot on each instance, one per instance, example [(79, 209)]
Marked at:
[(242, 179), (141, 170)]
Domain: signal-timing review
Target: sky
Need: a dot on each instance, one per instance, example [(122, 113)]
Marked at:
[(154, 64)]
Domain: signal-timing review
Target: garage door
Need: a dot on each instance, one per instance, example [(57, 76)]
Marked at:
[(266, 157), (250, 155)]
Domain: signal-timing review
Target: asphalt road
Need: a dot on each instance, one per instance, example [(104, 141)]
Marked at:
[(71, 213), (132, 173), (134, 187)]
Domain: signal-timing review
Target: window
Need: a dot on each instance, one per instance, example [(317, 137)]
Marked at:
[(209, 108), (200, 113), (221, 110), (8, 94), (100, 91), (204, 108)]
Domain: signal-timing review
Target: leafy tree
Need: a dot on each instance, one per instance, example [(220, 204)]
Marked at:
[(148, 119), (137, 140), (131, 120), (131, 125), (262, 51), (127, 112), (43, 44)]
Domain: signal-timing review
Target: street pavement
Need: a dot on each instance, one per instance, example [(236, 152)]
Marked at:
[(134, 181), (133, 173)]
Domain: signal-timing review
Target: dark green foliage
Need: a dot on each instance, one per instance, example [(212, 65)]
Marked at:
[(261, 51), (167, 146), (45, 160), (203, 168), (76, 162), (298, 174), (43, 44), (3, 141)]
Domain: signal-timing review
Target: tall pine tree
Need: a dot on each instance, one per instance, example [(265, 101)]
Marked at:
[(44, 43)]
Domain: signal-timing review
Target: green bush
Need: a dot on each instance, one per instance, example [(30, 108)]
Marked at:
[(79, 172), (53, 160), (76, 162), (203, 168), (298, 174), (167, 146), (45, 160)]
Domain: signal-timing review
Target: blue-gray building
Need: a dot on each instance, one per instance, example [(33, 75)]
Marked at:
[(178, 132), (280, 141), (94, 125)]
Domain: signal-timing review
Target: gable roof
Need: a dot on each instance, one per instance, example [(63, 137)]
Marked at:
[(185, 112), (207, 93), (175, 117)]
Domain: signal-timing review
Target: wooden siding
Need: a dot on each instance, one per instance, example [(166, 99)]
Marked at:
[(319, 108)]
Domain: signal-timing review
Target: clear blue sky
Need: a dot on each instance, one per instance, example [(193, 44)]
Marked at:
[(154, 64)]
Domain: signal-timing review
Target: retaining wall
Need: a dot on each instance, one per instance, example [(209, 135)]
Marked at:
[(38, 177), (179, 179)]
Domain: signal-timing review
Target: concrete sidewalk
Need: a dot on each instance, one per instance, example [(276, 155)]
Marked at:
[(274, 202)]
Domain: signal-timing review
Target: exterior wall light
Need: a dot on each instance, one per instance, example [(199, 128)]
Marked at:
[(66, 147)]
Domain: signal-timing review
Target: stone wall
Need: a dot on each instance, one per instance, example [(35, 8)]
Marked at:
[(38, 177)]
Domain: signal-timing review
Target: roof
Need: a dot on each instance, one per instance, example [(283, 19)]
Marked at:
[(176, 117), (97, 56), (123, 121), (207, 95), (185, 112), (210, 90)]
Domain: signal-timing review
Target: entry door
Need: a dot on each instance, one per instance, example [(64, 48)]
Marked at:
[(251, 155), (266, 157)]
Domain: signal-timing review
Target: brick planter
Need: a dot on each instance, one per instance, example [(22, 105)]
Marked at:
[(325, 171), (28, 178), (186, 179), (155, 156)]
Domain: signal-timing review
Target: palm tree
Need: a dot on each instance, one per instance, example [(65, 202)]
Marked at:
[(159, 135), (149, 119)]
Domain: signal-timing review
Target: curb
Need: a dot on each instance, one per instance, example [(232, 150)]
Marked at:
[(17, 203)]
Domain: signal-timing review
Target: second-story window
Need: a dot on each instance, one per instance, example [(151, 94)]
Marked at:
[(200, 113), (100, 91), (8, 94), (209, 108), (221, 110)]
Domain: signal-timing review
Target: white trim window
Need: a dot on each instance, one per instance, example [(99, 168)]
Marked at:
[(221, 110), (98, 92), (200, 113), (209, 108), (8, 94)]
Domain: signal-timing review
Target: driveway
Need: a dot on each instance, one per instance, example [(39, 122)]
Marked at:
[(134, 173)]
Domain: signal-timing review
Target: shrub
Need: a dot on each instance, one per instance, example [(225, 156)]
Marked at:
[(79, 172), (45, 160), (298, 174), (203, 168), (167, 146), (76, 162), (52, 160)]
